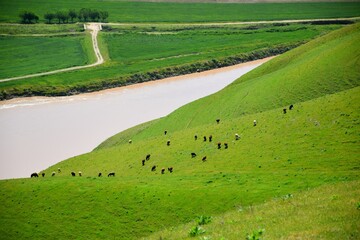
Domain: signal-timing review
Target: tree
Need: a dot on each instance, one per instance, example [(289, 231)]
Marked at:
[(62, 16), (104, 15), (94, 15), (28, 17), (49, 17), (84, 14), (72, 14)]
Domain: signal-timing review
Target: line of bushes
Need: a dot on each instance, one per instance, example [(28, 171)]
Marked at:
[(148, 76), (83, 15)]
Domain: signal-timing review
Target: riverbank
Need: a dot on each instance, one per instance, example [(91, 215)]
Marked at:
[(69, 90), (49, 130)]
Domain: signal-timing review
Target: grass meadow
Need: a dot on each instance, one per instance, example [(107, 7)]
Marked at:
[(130, 11), (142, 49), (29, 54), (314, 145)]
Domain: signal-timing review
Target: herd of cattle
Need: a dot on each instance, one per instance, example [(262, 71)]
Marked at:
[(148, 156)]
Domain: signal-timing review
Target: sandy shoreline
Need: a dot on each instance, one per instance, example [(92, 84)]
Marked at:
[(83, 96)]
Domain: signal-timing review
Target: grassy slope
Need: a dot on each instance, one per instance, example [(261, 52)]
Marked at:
[(131, 50), (327, 212), (314, 144), (277, 83), (183, 12)]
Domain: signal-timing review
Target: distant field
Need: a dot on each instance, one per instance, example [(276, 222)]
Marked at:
[(27, 55), (140, 50), (121, 11)]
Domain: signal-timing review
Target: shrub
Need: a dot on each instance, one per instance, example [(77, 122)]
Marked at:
[(195, 231), (255, 235), (202, 220)]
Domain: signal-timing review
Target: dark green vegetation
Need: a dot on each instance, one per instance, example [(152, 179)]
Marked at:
[(33, 54), (314, 144), (142, 53), (120, 11)]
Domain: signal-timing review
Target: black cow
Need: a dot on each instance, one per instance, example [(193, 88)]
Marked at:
[(73, 174), (204, 159), (111, 174), (162, 170), (195, 137), (210, 138), (148, 157), (143, 162), (291, 107), (53, 174), (219, 145), (218, 121), (226, 145), (34, 175), (153, 168), (165, 132), (168, 143), (204, 138), (193, 155), (170, 169), (284, 110), (43, 174), (99, 174)]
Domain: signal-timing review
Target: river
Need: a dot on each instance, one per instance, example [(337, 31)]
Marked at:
[(38, 132)]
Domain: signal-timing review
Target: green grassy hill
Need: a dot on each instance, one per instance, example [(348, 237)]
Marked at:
[(314, 144)]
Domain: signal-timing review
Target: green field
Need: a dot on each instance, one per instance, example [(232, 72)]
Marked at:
[(304, 215), (315, 144), (123, 11), (130, 50), (26, 55)]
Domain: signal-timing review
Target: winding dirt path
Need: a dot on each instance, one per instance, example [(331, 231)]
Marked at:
[(94, 28)]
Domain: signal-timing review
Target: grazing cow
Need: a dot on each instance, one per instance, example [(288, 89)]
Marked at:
[(170, 169), (218, 121), (59, 171), (193, 154), (195, 137), (210, 138), (148, 157), (165, 132), (237, 137), (226, 145), (255, 122), (130, 141), (204, 159), (168, 143), (73, 174), (99, 174), (34, 175), (153, 168), (80, 173), (111, 174), (284, 110), (291, 107), (143, 162), (162, 170), (53, 174), (204, 138), (219, 145), (43, 174)]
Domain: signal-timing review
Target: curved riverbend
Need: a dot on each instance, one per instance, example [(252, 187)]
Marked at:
[(39, 132)]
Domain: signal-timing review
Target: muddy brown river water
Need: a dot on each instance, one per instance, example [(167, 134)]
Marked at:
[(38, 132)]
